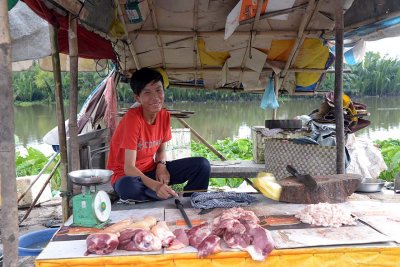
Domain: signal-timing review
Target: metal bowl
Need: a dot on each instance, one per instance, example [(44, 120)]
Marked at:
[(90, 176), (369, 185)]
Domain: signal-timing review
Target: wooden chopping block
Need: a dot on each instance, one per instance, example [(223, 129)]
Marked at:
[(331, 189)]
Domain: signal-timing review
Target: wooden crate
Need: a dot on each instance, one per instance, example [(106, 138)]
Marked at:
[(259, 141)]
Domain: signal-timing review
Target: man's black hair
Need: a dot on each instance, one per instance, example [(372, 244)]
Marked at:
[(142, 77)]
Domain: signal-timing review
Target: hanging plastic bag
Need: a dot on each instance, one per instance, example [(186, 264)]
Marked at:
[(269, 98)]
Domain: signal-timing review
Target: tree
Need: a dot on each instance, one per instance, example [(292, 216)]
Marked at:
[(374, 76)]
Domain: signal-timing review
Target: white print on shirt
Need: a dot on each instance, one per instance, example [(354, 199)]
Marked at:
[(146, 145)]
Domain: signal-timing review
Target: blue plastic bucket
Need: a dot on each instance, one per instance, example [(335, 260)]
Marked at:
[(31, 244)]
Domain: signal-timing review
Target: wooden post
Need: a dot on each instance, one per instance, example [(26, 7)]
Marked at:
[(73, 153), (130, 43), (9, 210), (216, 152), (340, 142), (62, 136)]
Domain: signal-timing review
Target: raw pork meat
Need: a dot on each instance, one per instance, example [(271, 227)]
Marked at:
[(180, 241), (230, 225), (262, 243), (237, 214), (240, 229), (162, 231), (126, 240), (326, 214), (210, 245), (234, 240), (101, 243), (198, 233), (138, 239)]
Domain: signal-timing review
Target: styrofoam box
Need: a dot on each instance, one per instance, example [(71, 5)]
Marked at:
[(24, 182)]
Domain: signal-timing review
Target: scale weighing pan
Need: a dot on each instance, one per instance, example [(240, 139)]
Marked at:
[(90, 176)]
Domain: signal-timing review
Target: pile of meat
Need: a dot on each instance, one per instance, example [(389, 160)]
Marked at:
[(325, 214), (145, 235), (239, 229)]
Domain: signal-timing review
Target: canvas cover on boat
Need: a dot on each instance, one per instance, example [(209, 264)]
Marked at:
[(90, 44), (29, 34)]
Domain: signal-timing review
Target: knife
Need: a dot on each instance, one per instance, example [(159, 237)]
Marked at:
[(305, 179), (252, 185), (179, 206)]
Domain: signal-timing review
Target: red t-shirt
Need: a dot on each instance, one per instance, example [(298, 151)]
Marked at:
[(134, 133)]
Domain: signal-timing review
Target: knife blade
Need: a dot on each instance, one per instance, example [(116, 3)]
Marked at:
[(305, 179), (205, 211), (179, 206)]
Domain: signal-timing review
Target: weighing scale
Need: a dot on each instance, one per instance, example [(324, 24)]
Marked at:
[(91, 208)]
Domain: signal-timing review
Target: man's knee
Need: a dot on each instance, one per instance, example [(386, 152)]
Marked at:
[(129, 187), (204, 164)]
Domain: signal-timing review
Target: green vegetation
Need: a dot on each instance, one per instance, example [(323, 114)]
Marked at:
[(390, 149), (374, 76), (240, 149), (33, 162), (36, 85), (182, 94)]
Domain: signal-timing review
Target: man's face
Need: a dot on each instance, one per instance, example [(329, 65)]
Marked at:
[(152, 97)]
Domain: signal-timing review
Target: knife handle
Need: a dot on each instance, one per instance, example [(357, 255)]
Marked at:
[(179, 206), (292, 170), (178, 203)]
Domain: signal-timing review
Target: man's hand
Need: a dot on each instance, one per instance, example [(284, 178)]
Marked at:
[(164, 191), (162, 174)]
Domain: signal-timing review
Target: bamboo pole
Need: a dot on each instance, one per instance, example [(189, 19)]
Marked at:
[(130, 44), (9, 210), (272, 33), (62, 136), (257, 17), (238, 69), (312, 9), (196, 58), (216, 152), (300, 36), (340, 143), (73, 152), (151, 7)]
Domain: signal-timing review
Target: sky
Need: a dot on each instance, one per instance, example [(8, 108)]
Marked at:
[(387, 46)]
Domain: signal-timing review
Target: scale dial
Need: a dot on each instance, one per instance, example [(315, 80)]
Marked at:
[(102, 206)]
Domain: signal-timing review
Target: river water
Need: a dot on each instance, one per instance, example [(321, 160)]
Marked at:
[(218, 120)]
